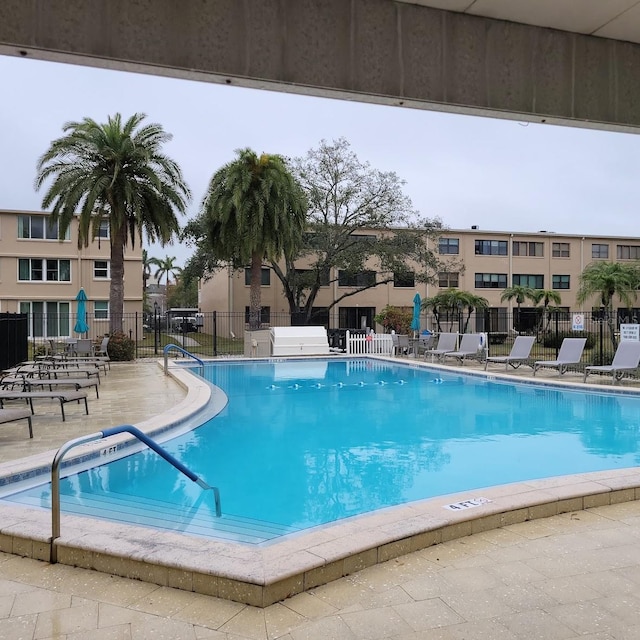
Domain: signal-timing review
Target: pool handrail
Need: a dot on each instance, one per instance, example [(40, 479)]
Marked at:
[(168, 348), (98, 435)]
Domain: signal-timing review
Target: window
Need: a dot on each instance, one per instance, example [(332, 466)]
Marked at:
[(362, 279), (562, 313), (39, 228), (534, 281), (600, 251), (39, 269), (265, 315), (560, 249), (448, 280), (103, 230), (101, 269), (491, 280), (491, 247), (528, 249), (265, 276), (47, 319), (101, 309), (628, 252), (404, 280), (560, 282), (449, 246)]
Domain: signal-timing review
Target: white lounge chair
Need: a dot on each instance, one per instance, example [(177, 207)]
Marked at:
[(570, 353), (446, 342), (469, 347), (625, 360), (519, 353)]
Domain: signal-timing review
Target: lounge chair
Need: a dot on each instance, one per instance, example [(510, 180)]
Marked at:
[(470, 347), (12, 415), (26, 384), (570, 354), (62, 396), (446, 342), (519, 353), (625, 360)]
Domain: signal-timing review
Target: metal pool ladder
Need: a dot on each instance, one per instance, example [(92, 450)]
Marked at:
[(105, 433), (168, 348)]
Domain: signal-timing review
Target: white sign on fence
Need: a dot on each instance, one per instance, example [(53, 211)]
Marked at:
[(630, 332), (578, 322)]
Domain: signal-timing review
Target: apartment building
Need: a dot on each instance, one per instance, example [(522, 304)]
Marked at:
[(41, 274), (482, 262)]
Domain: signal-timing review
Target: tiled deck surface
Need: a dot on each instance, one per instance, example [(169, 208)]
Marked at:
[(575, 575)]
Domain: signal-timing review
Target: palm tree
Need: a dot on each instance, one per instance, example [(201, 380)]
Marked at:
[(254, 210), (451, 302), (146, 268), (520, 293), (166, 268), (115, 172), (546, 296), (607, 280)]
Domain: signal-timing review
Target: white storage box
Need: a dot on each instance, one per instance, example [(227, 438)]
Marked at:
[(299, 341)]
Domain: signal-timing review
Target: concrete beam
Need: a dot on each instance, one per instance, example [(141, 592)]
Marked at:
[(370, 50)]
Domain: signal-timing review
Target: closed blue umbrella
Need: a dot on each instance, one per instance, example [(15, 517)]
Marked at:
[(81, 325), (415, 321)]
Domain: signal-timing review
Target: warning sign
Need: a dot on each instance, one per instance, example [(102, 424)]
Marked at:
[(578, 322)]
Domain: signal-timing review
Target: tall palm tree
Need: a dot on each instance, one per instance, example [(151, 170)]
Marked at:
[(166, 268), (147, 262), (254, 210), (116, 172), (607, 280), (520, 293)]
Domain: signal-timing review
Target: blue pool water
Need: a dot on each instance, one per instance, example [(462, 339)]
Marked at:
[(309, 442)]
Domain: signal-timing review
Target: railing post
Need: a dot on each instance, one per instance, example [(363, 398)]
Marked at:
[(215, 334)]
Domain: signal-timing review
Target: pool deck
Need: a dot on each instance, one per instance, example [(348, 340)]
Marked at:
[(550, 559)]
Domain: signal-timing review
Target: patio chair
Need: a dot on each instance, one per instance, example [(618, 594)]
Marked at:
[(570, 354), (625, 360), (470, 347), (519, 353), (446, 342), (400, 344), (83, 347), (425, 342)]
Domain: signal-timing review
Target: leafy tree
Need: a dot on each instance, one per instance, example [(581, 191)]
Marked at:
[(358, 219), (451, 303), (182, 294), (349, 202), (114, 172), (607, 280), (254, 210)]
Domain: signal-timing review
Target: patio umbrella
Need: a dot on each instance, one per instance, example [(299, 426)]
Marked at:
[(415, 321), (81, 325)]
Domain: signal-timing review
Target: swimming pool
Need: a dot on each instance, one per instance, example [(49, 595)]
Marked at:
[(305, 443)]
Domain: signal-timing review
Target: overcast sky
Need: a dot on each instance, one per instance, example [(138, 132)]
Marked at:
[(497, 174)]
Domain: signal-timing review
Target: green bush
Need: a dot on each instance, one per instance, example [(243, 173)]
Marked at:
[(121, 347), (394, 318), (554, 340)]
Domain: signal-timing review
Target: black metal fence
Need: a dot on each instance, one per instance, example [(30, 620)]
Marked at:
[(223, 333), (13, 339)]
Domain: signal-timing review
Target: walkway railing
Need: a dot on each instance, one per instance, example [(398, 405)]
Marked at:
[(168, 348), (105, 433)]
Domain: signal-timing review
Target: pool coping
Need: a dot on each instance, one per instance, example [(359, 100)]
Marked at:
[(263, 575)]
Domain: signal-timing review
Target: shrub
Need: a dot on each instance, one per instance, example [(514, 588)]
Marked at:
[(554, 340), (121, 347), (393, 318)]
